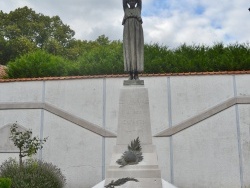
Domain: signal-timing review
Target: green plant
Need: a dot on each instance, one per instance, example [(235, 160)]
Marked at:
[(26, 144), (5, 182), (32, 174), (23, 30), (38, 64), (104, 58)]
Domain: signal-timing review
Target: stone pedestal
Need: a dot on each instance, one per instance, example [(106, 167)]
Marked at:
[(165, 184), (133, 122)]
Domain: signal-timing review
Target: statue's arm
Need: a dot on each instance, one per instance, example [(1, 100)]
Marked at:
[(139, 4), (125, 5)]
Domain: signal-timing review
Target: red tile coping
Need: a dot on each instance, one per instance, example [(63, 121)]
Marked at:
[(124, 76)]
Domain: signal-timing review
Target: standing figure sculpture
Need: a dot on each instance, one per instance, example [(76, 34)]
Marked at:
[(133, 40)]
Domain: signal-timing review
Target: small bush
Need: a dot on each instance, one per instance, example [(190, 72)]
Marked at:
[(5, 182), (37, 64), (33, 173)]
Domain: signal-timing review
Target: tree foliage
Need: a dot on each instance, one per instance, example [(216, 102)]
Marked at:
[(94, 58), (35, 45), (30, 172), (30, 30), (197, 58), (5, 182), (33, 174), (27, 145), (104, 57), (38, 64)]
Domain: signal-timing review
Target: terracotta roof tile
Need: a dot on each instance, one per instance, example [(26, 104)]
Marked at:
[(121, 76)]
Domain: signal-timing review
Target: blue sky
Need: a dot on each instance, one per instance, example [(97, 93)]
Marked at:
[(167, 22)]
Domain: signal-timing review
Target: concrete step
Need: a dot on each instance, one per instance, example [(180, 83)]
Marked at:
[(165, 184)]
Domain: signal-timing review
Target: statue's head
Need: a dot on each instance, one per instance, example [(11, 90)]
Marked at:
[(132, 3)]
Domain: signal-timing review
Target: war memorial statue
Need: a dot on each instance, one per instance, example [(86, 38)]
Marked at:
[(134, 165), (133, 40)]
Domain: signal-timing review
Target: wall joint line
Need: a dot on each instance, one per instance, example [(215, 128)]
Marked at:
[(238, 133), (170, 123)]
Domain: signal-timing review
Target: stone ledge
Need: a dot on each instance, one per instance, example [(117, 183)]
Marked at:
[(133, 82), (204, 115), (137, 173), (59, 112), (165, 184)]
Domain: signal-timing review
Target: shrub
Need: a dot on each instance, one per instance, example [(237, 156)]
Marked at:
[(37, 64), (5, 182), (102, 59), (26, 144), (106, 57), (33, 173), (197, 58)]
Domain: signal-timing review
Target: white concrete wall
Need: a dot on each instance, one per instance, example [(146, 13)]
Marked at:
[(213, 153)]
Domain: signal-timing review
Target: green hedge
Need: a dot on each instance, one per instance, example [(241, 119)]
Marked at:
[(107, 58), (5, 183), (197, 58), (38, 64)]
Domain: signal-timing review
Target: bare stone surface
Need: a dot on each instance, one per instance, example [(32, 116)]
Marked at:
[(133, 82), (6, 145), (133, 122), (134, 116), (165, 184)]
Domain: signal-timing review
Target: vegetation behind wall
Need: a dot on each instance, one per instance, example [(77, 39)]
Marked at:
[(35, 45)]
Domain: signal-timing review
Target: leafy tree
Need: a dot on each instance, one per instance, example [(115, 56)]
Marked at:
[(19, 46), (103, 40), (53, 47), (102, 58), (37, 27), (26, 144), (4, 55), (34, 27), (75, 48)]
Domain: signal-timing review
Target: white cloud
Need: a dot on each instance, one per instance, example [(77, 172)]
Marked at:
[(199, 22)]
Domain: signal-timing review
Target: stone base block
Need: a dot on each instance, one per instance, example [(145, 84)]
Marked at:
[(142, 183), (133, 82), (165, 184), (147, 171), (133, 123)]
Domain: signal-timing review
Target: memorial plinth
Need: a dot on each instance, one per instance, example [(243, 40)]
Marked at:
[(133, 122)]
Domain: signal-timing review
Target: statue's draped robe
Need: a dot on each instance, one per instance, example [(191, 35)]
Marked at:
[(133, 40)]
